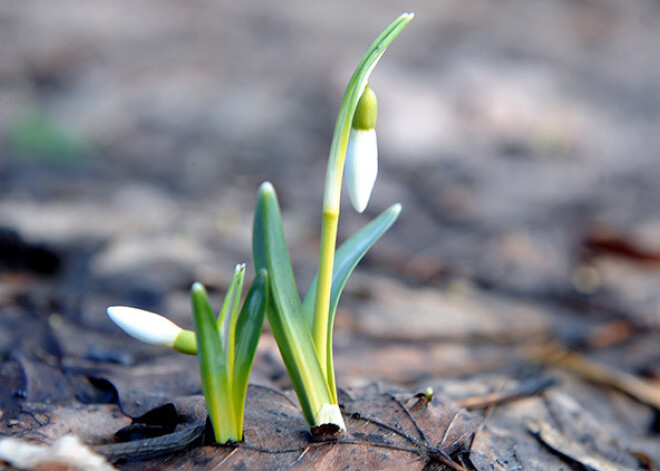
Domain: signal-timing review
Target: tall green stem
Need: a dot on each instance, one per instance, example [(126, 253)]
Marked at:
[(332, 194), (321, 307)]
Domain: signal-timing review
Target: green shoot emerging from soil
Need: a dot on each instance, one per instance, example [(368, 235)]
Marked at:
[(303, 331), (226, 344), (226, 350)]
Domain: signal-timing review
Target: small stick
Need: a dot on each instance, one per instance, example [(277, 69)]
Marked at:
[(412, 419), (424, 449), (152, 447), (644, 391), (526, 389)]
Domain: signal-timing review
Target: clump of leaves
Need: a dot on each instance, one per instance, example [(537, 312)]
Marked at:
[(226, 344), (304, 331)]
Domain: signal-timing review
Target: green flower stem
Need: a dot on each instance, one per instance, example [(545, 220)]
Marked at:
[(332, 194), (327, 255)]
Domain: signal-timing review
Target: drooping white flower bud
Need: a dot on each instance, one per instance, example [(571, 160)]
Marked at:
[(362, 152), (146, 326)]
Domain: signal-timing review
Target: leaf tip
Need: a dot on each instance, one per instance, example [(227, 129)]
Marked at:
[(198, 288), (266, 187)]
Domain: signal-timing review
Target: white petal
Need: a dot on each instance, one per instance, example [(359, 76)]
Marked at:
[(146, 326), (361, 166)]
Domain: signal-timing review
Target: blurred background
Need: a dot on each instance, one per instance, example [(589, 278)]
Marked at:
[(522, 138), (507, 130)]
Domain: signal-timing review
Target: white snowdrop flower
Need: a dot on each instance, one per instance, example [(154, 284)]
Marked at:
[(362, 153), (146, 326)]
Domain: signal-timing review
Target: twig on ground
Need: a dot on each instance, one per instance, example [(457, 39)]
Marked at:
[(525, 389), (412, 419), (644, 391), (422, 448), (152, 447)]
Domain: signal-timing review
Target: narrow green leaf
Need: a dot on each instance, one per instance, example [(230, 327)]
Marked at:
[(248, 330), (213, 369), (239, 275), (271, 252), (284, 309), (347, 257), (227, 303)]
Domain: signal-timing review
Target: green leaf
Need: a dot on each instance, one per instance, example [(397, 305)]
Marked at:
[(230, 344), (221, 322), (284, 309), (213, 369), (248, 330), (346, 259)]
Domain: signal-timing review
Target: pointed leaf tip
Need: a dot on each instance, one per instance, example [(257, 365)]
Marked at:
[(197, 287), (266, 187)]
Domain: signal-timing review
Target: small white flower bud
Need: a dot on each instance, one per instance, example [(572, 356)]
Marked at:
[(361, 167), (145, 326)]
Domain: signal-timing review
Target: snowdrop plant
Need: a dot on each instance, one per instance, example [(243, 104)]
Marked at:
[(225, 345), (303, 330)]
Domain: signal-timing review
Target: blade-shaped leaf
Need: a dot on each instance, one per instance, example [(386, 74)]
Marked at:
[(230, 339), (284, 310), (221, 322), (248, 330), (346, 259), (213, 368)]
